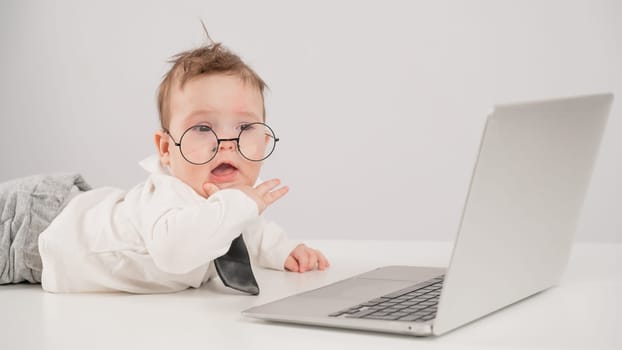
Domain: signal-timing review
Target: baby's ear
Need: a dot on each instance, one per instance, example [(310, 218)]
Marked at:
[(163, 144)]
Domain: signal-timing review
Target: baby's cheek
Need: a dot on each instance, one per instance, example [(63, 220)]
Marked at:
[(194, 179), (252, 174)]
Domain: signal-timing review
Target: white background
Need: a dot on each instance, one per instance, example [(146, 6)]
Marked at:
[(379, 105)]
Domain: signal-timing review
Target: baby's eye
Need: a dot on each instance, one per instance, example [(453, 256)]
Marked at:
[(201, 128), (247, 127)]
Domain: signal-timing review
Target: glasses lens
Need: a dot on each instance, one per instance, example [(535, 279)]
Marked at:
[(256, 141), (199, 144)]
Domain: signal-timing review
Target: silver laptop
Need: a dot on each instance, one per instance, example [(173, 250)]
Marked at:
[(527, 188)]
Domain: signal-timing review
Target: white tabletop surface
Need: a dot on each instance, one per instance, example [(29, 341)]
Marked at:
[(584, 312)]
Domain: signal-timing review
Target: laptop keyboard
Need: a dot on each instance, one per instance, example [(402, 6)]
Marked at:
[(414, 303)]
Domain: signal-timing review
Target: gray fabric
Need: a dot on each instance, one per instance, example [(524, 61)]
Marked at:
[(27, 206)]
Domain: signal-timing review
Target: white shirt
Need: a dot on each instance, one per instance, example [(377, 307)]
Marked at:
[(160, 236)]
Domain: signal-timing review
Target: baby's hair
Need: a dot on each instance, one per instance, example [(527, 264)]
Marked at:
[(210, 58)]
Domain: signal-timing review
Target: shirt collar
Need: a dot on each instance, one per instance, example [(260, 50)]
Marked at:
[(153, 165)]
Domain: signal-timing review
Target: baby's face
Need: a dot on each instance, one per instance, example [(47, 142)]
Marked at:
[(224, 103)]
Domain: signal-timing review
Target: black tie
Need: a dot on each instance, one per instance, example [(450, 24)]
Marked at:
[(234, 268)]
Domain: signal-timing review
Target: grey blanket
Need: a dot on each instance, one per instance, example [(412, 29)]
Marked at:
[(27, 206)]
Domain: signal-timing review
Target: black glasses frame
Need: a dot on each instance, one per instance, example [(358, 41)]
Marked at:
[(219, 140)]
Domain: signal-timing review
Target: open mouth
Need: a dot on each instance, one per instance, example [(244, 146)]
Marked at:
[(224, 169)]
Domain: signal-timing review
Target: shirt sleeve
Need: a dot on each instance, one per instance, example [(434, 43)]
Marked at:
[(182, 234), (268, 243)]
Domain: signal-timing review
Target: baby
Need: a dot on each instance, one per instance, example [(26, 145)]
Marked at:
[(165, 234)]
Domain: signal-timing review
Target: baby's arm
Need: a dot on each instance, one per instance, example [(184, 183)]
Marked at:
[(184, 238)]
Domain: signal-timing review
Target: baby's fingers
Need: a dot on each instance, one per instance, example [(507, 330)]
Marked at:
[(303, 259), (313, 259), (322, 261), (209, 189), (291, 264), (267, 186), (273, 196)]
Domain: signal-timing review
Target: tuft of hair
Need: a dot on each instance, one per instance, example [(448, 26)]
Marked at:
[(210, 58)]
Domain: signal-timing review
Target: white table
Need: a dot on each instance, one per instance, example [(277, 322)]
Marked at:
[(584, 312)]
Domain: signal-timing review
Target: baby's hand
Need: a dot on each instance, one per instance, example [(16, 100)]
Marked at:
[(263, 194), (303, 258)]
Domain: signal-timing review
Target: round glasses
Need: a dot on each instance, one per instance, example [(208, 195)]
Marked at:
[(199, 144)]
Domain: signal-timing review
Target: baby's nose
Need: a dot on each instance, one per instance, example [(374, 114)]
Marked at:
[(227, 145)]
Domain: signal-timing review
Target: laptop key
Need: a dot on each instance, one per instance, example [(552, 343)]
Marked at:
[(400, 314), (376, 307), (380, 313), (391, 310), (361, 313), (373, 302), (387, 303), (352, 311)]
